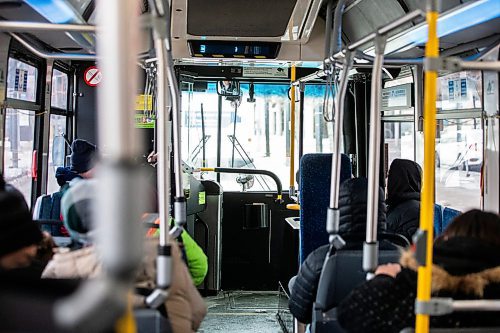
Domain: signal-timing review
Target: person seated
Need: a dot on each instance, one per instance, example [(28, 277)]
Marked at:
[(194, 256), (404, 183), (184, 305), (353, 195), (47, 207), (24, 250), (466, 265)]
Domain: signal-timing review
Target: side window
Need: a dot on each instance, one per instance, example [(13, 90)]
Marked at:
[(459, 158), (317, 131), (57, 149), (21, 81), (399, 138), (59, 98), (18, 150)]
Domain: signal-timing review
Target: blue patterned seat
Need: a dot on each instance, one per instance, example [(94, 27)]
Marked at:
[(315, 176)]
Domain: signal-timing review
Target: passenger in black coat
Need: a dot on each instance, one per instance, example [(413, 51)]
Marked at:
[(352, 206), (403, 197), (466, 266)]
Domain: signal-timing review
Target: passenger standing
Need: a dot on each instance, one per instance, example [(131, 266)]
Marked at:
[(404, 183), (352, 205), (466, 266)]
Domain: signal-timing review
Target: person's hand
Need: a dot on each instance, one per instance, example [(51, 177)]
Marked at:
[(388, 269), (152, 157), (46, 247)]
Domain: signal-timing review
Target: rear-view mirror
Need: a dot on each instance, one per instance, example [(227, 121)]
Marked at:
[(228, 88)]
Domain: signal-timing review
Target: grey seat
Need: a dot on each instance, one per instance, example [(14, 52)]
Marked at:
[(341, 273)]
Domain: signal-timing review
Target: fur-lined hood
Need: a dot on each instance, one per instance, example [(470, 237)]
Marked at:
[(472, 284)]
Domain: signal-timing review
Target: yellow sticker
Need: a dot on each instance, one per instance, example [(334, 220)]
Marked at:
[(202, 198), (141, 100)]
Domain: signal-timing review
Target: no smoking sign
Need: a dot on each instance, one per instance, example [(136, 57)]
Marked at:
[(92, 76)]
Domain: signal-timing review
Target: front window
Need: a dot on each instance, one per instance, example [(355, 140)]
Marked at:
[(253, 135)]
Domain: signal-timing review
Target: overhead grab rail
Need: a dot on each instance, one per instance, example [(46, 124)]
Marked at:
[(339, 53), (333, 215), (53, 55), (20, 26)]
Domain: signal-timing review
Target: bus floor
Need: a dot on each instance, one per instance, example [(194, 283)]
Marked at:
[(242, 312)]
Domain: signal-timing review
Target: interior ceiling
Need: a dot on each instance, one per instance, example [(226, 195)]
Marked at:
[(24, 13), (260, 18), (242, 18)]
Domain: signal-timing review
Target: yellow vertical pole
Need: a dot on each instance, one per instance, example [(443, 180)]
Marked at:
[(427, 203), (292, 132)]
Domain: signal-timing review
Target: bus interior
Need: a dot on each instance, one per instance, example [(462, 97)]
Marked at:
[(235, 97)]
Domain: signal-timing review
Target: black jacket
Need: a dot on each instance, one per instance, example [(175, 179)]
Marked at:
[(403, 197), (352, 206), (464, 268)]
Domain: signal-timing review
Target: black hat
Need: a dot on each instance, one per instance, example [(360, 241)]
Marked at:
[(82, 156), (17, 229)]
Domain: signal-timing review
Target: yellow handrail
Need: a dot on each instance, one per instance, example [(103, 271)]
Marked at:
[(292, 131), (427, 204)]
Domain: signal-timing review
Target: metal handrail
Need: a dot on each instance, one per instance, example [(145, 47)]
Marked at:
[(53, 55), (19, 26)]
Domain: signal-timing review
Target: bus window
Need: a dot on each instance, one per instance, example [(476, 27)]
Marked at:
[(459, 157), (21, 81), (256, 136), (192, 131), (57, 149), (18, 150), (317, 131), (400, 139), (59, 98)]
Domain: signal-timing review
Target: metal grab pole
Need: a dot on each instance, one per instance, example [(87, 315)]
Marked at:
[(370, 247), (332, 222), (427, 202), (120, 192), (302, 89), (292, 132), (164, 259), (179, 199)]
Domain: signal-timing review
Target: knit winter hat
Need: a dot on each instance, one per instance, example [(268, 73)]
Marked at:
[(77, 209), (17, 229), (82, 156)]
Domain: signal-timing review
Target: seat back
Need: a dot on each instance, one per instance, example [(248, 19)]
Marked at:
[(48, 208), (448, 215), (315, 177), (341, 273), (438, 220)]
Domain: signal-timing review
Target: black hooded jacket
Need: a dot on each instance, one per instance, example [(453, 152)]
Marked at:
[(352, 206), (403, 197), (464, 268)]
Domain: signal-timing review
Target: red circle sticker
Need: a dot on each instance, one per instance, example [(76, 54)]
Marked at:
[(92, 76)]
